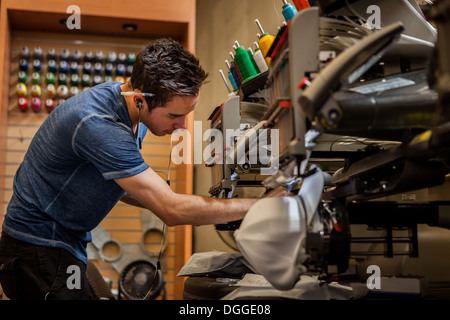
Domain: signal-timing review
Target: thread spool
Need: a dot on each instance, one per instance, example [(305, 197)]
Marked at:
[(51, 66), (63, 91), (22, 76), (36, 104), (301, 4), (38, 54), (73, 91), (253, 59), (234, 72), (244, 62), (109, 68), (119, 79), (85, 80), (111, 57), (129, 70), (49, 78), (49, 104), (62, 78), (230, 76), (87, 67), (36, 90), (120, 69), (289, 11), (73, 67), (21, 89), (88, 56), (225, 81), (24, 53), (37, 65), (51, 54), (76, 56), (265, 42), (98, 67), (131, 57), (35, 78), (23, 65), (64, 55), (98, 56), (97, 80), (74, 79), (51, 90), (63, 66), (22, 103), (121, 58), (259, 59)]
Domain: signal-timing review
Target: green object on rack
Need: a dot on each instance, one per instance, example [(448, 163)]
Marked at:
[(245, 63), (22, 76), (49, 78)]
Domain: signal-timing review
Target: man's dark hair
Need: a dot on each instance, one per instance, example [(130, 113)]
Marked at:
[(166, 69)]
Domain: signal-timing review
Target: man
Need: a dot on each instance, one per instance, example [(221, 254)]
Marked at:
[(85, 158)]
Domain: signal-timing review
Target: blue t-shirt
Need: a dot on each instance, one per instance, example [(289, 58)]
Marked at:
[(64, 187)]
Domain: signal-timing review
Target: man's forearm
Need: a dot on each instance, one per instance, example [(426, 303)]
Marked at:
[(200, 210)]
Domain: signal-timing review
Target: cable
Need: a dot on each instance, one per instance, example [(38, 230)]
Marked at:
[(158, 262)]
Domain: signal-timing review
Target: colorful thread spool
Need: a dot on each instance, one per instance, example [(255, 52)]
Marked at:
[(265, 42), (35, 78), (259, 59), (74, 91), (62, 78), (85, 80), (21, 89), (49, 104), (63, 91), (51, 66), (49, 78), (87, 67), (22, 103), (37, 65), (63, 66), (36, 104), (76, 55), (38, 54), (98, 67), (74, 79), (289, 11), (36, 90), (244, 61), (51, 54), (51, 90), (73, 67), (24, 53), (22, 76), (64, 55), (23, 65)]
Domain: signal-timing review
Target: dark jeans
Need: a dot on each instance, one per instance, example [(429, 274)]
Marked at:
[(31, 272)]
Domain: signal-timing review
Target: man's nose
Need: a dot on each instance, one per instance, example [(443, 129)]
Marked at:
[(180, 123)]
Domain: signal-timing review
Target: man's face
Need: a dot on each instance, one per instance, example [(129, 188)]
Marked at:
[(166, 119)]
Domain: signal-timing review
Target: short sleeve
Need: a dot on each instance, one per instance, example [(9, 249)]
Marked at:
[(109, 145)]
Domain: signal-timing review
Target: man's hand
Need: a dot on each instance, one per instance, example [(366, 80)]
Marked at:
[(279, 192)]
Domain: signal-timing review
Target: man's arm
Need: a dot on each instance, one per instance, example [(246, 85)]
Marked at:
[(153, 193)]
